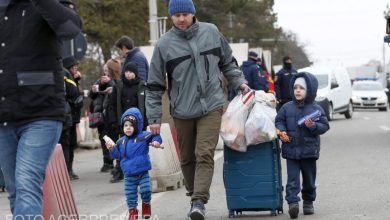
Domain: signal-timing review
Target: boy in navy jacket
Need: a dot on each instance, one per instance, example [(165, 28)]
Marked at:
[(133, 152), (301, 143)]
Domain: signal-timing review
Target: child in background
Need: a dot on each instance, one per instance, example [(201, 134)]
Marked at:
[(128, 92), (133, 152), (301, 143)]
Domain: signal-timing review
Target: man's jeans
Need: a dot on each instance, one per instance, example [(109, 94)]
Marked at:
[(25, 151)]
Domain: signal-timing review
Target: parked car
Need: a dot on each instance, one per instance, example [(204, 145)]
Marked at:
[(334, 90), (369, 94)]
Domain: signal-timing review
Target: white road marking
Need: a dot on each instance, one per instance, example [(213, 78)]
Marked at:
[(366, 118), (218, 155), (385, 128), (156, 196)]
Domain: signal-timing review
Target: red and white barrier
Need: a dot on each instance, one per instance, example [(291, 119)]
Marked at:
[(58, 200)]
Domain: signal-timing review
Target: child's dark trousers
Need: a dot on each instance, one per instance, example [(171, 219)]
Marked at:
[(308, 168)]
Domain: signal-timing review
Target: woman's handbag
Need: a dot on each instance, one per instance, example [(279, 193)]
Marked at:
[(96, 119)]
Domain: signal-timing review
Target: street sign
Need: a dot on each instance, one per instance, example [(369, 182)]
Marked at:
[(76, 47)]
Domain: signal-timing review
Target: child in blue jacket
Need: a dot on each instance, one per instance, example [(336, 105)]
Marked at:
[(301, 143), (133, 152)]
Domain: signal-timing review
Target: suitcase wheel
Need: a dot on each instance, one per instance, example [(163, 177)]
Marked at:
[(231, 213)]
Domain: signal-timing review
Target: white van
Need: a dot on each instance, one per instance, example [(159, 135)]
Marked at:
[(334, 92)]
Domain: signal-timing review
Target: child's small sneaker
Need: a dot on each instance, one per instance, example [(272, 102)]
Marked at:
[(133, 214), (146, 210), (293, 210), (308, 208), (197, 211)]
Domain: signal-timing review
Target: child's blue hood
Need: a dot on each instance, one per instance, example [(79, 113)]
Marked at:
[(311, 83), (137, 114)]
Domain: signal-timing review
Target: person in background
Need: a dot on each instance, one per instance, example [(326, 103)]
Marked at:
[(128, 92), (32, 96), (129, 53), (282, 82), (72, 95), (193, 54), (99, 94), (71, 71), (132, 149), (254, 73), (301, 142), (267, 76)]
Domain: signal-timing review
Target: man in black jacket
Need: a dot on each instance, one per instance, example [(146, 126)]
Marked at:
[(32, 100), (282, 82)]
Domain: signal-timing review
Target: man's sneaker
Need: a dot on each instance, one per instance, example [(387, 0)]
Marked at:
[(146, 210), (308, 208), (293, 210), (106, 168), (197, 211), (133, 214)]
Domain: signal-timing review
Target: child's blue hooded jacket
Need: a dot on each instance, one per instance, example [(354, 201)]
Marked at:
[(133, 152), (304, 142)]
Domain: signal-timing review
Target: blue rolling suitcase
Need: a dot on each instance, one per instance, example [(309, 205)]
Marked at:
[(253, 180)]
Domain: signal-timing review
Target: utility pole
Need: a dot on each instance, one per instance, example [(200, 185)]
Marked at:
[(157, 25), (231, 17), (153, 23), (386, 14)]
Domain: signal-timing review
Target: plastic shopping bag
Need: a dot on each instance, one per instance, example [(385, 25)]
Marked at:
[(260, 125), (233, 121), (267, 98)]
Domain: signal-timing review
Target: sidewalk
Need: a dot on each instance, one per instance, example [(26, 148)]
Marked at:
[(94, 194)]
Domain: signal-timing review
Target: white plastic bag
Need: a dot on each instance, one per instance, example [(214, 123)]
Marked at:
[(233, 121), (268, 98), (260, 125)]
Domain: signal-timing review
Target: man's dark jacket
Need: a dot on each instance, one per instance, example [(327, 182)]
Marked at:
[(282, 84), (32, 81), (254, 76), (136, 55)]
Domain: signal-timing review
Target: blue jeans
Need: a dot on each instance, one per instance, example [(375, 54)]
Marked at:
[(25, 151)]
